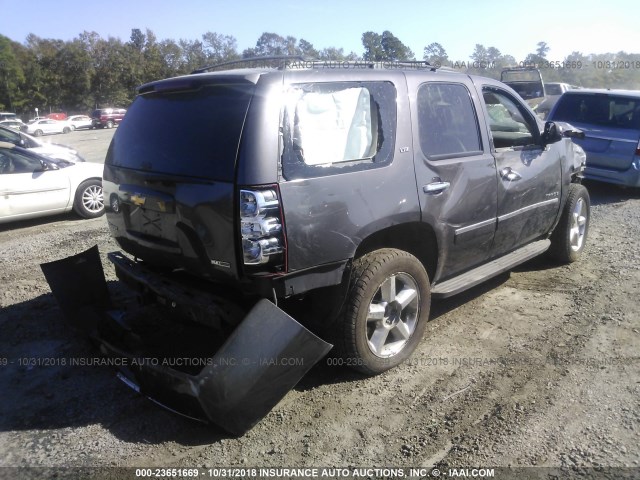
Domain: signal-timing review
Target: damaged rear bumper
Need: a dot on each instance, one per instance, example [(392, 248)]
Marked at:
[(204, 372)]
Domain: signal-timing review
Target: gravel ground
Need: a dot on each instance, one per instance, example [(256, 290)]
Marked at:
[(537, 368)]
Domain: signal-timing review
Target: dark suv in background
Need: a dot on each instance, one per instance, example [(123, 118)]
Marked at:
[(107, 117), (346, 198)]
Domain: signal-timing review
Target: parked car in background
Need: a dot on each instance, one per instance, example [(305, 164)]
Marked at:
[(51, 150), (15, 124), (32, 185), (553, 92), (610, 120), (107, 117), (77, 122), (527, 82), (44, 126), (8, 116), (57, 116)]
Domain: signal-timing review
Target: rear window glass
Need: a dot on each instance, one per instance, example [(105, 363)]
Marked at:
[(338, 127), (599, 109), (192, 133)]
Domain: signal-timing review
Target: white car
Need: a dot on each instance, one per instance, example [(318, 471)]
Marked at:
[(33, 185), (79, 121), (53, 150), (46, 125), (15, 124)]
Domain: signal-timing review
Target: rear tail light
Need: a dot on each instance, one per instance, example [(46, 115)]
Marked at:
[(261, 228)]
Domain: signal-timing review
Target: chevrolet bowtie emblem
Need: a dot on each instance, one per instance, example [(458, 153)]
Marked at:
[(138, 200)]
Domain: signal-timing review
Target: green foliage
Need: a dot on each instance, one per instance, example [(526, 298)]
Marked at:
[(385, 48), (90, 71), (434, 53)]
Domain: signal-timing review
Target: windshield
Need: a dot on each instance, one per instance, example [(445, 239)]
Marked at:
[(192, 133)]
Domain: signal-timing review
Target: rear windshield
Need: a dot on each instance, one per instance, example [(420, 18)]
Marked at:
[(191, 133), (599, 109)]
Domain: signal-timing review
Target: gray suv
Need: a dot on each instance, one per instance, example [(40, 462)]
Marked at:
[(349, 197)]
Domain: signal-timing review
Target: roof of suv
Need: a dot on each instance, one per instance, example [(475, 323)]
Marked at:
[(338, 71)]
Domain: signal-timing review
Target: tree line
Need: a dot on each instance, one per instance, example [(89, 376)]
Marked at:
[(89, 71)]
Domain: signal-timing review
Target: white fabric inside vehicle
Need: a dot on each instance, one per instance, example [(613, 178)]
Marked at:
[(334, 127)]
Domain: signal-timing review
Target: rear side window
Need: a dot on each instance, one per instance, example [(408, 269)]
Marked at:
[(447, 121), (191, 133), (599, 109), (338, 127)]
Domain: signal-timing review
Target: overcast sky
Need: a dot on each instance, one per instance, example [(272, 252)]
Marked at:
[(514, 27)]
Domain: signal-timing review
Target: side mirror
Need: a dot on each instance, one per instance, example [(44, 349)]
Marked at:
[(551, 133), (45, 166)]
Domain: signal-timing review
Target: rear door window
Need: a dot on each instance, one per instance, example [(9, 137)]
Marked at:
[(447, 121)]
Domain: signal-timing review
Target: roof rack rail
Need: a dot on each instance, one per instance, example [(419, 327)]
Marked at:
[(300, 58), (410, 63), (313, 62)]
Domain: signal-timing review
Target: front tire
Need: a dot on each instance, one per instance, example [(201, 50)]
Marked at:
[(37, 133), (89, 199), (386, 311), (570, 235), (66, 130), (109, 124)]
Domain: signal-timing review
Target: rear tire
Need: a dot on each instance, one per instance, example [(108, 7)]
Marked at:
[(109, 124), (66, 130), (37, 133), (89, 199), (385, 313), (570, 235)]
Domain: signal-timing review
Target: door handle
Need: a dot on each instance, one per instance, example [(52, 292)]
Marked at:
[(508, 174), (434, 188)]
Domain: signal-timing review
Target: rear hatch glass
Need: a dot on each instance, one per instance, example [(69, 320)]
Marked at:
[(191, 132), (527, 82)]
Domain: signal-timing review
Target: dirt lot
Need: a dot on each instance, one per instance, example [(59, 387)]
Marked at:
[(536, 368)]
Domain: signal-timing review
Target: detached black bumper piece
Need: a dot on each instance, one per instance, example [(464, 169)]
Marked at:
[(232, 382)]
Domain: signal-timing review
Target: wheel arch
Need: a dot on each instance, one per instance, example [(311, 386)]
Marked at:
[(80, 181), (417, 238)]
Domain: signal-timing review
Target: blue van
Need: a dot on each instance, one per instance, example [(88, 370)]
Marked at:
[(610, 120)]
